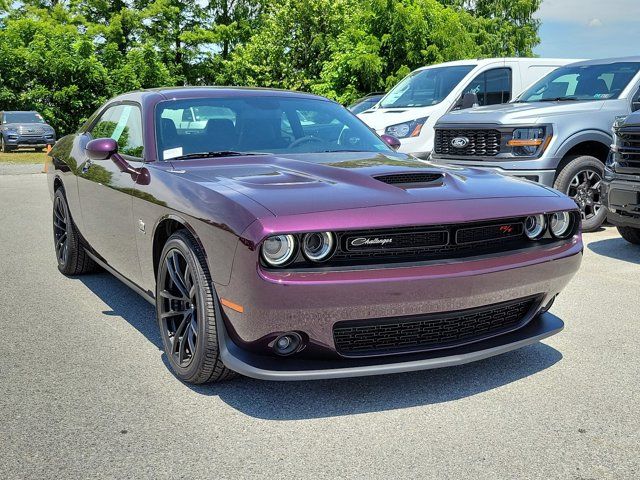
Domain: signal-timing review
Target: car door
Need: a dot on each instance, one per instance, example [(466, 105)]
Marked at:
[(106, 193)]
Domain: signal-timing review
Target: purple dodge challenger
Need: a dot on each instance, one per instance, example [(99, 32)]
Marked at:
[(278, 237)]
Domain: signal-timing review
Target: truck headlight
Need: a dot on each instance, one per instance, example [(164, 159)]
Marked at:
[(526, 142), (406, 129)]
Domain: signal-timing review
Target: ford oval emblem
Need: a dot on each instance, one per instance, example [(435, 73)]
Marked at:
[(460, 142)]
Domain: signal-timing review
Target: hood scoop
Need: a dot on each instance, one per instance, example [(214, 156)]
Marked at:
[(411, 179)]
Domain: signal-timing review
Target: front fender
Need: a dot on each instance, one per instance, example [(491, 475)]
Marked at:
[(577, 138)]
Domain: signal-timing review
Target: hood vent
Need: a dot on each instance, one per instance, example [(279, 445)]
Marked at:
[(413, 179)]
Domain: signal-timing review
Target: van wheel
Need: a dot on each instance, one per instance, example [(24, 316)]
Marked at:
[(580, 179), (630, 234)]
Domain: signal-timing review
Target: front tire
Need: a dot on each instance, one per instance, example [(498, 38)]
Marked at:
[(580, 179), (3, 146), (186, 311), (70, 252), (630, 234)]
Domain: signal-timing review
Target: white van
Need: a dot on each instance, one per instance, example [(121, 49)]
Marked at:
[(411, 109)]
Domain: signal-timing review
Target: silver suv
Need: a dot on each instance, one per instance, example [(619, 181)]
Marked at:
[(557, 132)]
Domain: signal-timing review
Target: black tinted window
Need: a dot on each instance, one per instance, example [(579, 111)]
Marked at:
[(492, 87)]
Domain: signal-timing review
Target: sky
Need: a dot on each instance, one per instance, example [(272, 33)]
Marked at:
[(589, 28)]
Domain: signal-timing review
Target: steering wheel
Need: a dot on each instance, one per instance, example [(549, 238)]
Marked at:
[(305, 139)]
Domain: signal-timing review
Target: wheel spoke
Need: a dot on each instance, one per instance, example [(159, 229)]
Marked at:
[(172, 269), (174, 313), (168, 295)]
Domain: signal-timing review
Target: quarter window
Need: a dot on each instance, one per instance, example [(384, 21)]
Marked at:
[(123, 123), (492, 87)]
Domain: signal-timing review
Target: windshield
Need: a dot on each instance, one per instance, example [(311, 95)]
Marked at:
[(258, 124), (22, 117), (425, 87), (587, 82), (364, 104)]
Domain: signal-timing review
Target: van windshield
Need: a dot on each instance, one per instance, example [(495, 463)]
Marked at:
[(584, 82), (427, 87)]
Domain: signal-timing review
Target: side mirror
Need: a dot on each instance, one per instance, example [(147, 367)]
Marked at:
[(392, 141), (101, 148), (469, 100)]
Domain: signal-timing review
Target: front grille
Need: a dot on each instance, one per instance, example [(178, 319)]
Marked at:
[(30, 131), (435, 242), (433, 331), (480, 143), (629, 147), (409, 178)]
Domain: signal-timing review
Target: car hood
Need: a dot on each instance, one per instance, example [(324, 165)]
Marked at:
[(380, 118), (296, 184), (517, 113)]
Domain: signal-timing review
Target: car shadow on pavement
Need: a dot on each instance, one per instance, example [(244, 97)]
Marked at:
[(616, 248), (333, 398)]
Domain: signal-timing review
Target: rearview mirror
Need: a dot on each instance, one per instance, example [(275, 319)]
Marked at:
[(390, 140), (101, 148)]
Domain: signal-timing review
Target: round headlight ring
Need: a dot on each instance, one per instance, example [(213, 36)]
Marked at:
[(279, 249), (535, 226), (561, 224), (318, 246)]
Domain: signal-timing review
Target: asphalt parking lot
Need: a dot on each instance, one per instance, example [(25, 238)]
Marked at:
[(85, 391)]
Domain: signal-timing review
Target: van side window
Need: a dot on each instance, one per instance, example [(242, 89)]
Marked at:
[(492, 87)]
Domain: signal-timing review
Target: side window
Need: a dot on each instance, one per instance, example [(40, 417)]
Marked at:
[(492, 87), (123, 123)]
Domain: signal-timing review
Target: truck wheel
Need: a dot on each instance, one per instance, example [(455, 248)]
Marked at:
[(630, 234), (186, 310), (580, 179)]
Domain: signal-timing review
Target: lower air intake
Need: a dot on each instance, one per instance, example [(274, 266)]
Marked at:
[(431, 332)]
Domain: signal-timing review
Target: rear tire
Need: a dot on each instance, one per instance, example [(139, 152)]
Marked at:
[(186, 306), (70, 251), (39, 149), (580, 179), (630, 234)]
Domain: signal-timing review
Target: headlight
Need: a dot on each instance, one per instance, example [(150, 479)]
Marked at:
[(406, 129), (561, 224), (535, 226), (318, 246), (618, 122), (525, 142), (279, 249)]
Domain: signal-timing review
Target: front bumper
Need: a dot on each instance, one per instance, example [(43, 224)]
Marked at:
[(18, 141), (621, 196), (282, 369), (312, 302)]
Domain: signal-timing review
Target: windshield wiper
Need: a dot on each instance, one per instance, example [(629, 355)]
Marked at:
[(219, 153), (561, 99)]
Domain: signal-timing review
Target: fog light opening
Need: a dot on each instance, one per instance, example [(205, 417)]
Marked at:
[(287, 343), (549, 304)]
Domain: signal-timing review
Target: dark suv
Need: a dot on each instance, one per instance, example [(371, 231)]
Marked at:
[(24, 129), (621, 183)]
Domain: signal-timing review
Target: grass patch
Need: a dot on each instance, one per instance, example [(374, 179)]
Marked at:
[(23, 156)]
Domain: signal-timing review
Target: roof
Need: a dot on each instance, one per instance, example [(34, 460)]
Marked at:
[(484, 61), (606, 61)]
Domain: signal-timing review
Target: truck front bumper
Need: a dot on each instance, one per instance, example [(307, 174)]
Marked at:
[(622, 199)]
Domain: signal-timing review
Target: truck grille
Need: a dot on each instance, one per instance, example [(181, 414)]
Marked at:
[(629, 147), (433, 331), (479, 143)]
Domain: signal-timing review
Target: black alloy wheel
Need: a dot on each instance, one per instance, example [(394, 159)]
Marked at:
[(186, 306), (580, 178), (70, 249)]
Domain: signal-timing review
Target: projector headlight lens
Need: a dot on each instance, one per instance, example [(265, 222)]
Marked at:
[(535, 226), (318, 246), (279, 249), (561, 224)]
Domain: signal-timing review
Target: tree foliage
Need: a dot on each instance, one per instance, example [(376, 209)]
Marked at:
[(65, 58)]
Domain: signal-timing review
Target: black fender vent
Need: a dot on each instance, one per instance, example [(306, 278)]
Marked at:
[(410, 178)]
